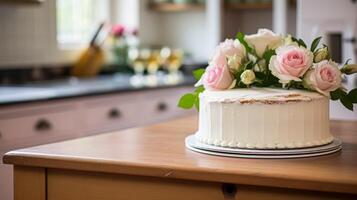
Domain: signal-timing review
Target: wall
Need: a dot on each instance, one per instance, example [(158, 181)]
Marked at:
[(246, 21), (125, 12), (333, 16), (28, 35), (196, 31), (249, 21), (187, 30)]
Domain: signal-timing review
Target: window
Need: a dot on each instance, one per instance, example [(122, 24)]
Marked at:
[(78, 19)]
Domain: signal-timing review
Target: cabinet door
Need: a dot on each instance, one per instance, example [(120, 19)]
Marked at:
[(111, 117), (30, 125), (6, 180), (91, 186), (65, 184), (161, 105), (112, 112), (37, 126)]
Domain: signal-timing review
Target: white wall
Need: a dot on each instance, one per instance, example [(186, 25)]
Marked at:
[(28, 32), (125, 12), (199, 32), (317, 16), (187, 30), (28, 35)]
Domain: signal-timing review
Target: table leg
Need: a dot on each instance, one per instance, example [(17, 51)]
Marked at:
[(29, 183)]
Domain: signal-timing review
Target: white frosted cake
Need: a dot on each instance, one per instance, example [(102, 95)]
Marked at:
[(264, 118)]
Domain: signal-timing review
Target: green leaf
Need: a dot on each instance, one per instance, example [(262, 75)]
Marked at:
[(248, 65), (187, 101), (197, 104), (240, 84), (302, 43), (334, 96), (347, 102), (352, 95), (337, 94), (315, 43), (294, 39), (199, 89), (299, 41), (198, 73), (347, 61), (260, 75), (268, 54), (240, 36)]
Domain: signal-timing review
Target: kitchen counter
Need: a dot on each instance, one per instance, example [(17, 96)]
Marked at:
[(152, 163), (75, 87), (41, 113)]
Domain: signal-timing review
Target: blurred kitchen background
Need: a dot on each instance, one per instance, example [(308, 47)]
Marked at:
[(73, 68)]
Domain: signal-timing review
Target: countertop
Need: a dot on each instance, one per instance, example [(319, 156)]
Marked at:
[(159, 151), (75, 87)]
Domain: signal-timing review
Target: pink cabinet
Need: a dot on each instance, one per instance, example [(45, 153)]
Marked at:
[(24, 125), (39, 125)]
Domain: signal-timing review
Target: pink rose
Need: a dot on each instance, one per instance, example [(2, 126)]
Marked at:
[(216, 78), (290, 63), (324, 77), (227, 49), (118, 30), (217, 75)]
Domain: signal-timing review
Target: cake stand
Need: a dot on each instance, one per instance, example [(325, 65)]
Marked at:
[(193, 144)]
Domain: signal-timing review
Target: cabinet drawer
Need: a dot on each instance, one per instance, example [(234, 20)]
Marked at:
[(112, 116), (162, 105), (161, 109), (39, 127), (90, 186), (66, 184)]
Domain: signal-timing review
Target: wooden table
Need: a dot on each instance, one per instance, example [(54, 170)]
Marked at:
[(153, 163)]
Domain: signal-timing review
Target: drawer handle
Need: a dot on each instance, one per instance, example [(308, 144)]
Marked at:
[(229, 190), (43, 125), (114, 113), (161, 107)]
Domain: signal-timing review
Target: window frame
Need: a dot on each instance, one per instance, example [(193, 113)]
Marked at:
[(73, 48)]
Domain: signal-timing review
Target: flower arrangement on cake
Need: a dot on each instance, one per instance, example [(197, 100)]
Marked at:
[(269, 60)]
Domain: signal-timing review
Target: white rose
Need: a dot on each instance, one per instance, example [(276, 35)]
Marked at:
[(321, 54), (288, 40), (263, 40), (349, 69), (247, 77), (234, 63)]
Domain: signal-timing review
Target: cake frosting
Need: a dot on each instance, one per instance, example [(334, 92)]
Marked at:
[(263, 118)]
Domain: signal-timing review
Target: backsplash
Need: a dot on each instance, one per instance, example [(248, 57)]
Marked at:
[(28, 35), (25, 75)]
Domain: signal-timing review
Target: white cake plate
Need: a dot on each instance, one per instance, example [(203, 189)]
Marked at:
[(193, 144)]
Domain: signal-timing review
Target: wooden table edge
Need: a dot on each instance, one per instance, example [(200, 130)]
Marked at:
[(18, 158)]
